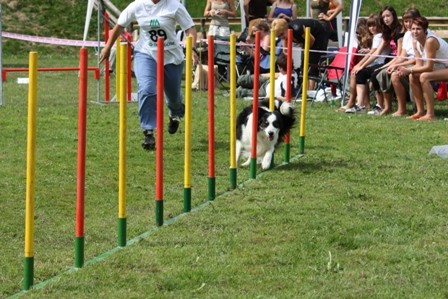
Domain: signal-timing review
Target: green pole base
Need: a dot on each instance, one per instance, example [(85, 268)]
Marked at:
[(187, 199), (28, 273), (287, 152), (211, 188), (301, 145), (253, 168), (122, 232), (233, 175), (159, 212), (79, 252)]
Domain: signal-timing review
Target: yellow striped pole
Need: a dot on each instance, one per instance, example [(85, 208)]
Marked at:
[(187, 154), (117, 65), (121, 72), (304, 91), (233, 171), (272, 78), (272, 72), (30, 173)]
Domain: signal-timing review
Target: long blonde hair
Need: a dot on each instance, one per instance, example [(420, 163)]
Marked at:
[(279, 25)]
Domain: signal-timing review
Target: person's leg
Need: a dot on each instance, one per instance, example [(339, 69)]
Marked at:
[(172, 87), (353, 94), (400, 94), (145, 71), (417, 91), (428, 92)]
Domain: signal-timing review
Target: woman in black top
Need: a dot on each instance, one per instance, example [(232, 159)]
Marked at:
[(318, 40)]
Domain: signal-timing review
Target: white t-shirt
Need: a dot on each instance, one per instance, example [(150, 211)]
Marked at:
[(407, 44), (280, 85), (158, 20), (376, 42)]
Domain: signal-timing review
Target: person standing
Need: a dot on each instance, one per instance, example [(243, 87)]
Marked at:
[(156, 19), (326, 12), (284, 9), (219, 11), (256, 9)]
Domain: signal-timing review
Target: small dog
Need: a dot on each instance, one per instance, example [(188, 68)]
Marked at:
[(272, 127)]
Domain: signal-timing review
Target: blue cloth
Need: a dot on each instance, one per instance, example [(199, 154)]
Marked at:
[(279, 10), (265, 60), (145, 69)]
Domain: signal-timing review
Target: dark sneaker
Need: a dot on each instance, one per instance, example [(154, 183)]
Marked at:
[(173, 125), (150, 142)]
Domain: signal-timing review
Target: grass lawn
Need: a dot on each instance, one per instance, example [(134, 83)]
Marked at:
[(361, 215)]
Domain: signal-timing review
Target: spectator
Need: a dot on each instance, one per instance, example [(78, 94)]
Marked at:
[(326, 12), (392, 37), (431, 65), (219, 11), (388, 79), (262, 26), (256, 9), (364, 39), (364, 70), (318, 40), (283, 9)]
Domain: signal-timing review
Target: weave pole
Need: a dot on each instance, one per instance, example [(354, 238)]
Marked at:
[(287, 146), (272, 59), (211, 119), (81, 165), (122, 74), (106, 63), (253, 153), (159, 136), (30, 173), (233, 169), (304, 91), (187, 145)]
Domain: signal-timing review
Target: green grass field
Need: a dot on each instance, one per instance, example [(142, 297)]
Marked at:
[(361, 215)]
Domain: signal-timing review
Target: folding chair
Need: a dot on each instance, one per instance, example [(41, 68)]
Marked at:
[(222, 57)]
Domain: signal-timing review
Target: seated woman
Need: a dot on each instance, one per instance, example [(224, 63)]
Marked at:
[(262, 26), (431, 53), (388, 79)]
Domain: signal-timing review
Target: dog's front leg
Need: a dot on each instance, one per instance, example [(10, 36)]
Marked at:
[(238, 151), (266, 163)]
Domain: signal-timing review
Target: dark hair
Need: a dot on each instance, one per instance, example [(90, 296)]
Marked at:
[(282, 61), (422, 22), (394, 28), (374, 20), (411, 13)]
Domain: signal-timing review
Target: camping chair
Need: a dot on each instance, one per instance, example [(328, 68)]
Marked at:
[(222, 57)]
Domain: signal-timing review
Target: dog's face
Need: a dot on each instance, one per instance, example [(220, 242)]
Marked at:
[(269, 123)]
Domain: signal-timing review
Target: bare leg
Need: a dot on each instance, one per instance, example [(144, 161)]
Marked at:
[(353, 94), (417, 91), (428, 94), (400, 93), (362, 91)]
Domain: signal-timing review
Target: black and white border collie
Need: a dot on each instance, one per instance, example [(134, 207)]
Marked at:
[(272, 127)]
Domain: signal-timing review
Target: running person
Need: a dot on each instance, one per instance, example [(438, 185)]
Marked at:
[(156, 18)]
